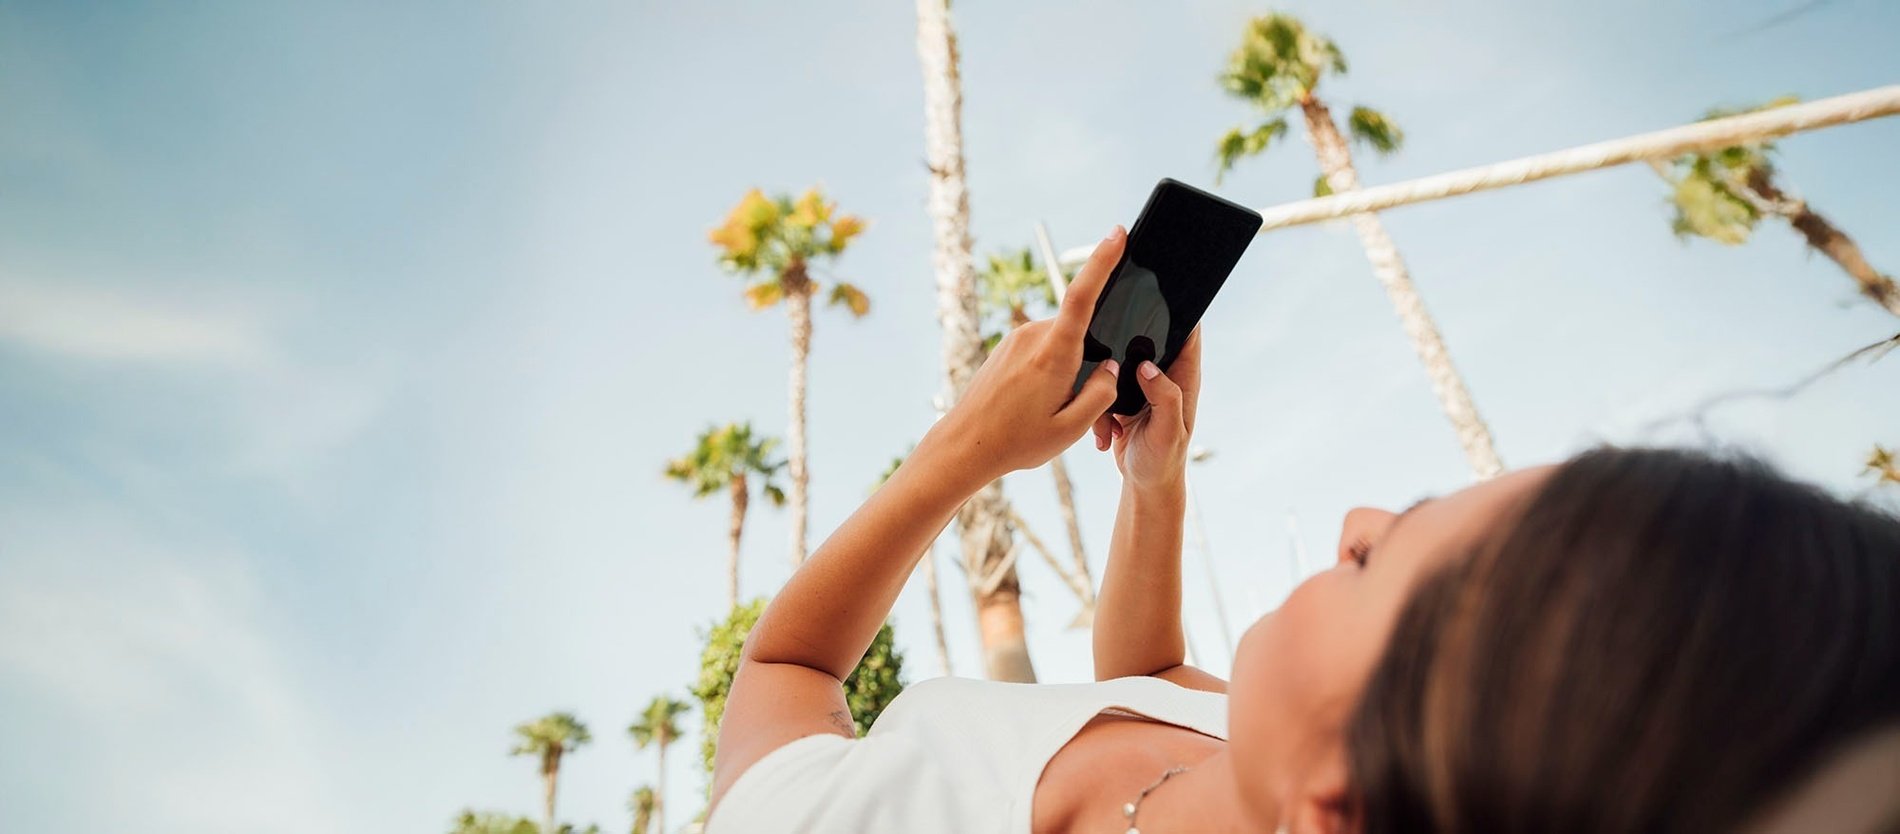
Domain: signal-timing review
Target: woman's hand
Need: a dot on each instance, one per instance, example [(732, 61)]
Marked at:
[(1017, 412), (1151, 446)]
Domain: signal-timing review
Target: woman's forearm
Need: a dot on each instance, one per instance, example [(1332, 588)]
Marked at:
[(828, 612), (1138, 613)]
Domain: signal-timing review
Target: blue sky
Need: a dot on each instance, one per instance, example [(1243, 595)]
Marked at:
[(341, 344)]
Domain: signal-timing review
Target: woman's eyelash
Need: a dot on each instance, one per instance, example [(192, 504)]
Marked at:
[(1360, 551)]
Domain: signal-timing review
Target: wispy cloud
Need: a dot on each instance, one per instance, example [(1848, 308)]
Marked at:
[(161, 650), (116, 325)]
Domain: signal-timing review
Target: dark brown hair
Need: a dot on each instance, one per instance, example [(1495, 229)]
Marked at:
[(1660, 641)]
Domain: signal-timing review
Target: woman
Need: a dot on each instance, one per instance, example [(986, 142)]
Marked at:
[(1333, 721)]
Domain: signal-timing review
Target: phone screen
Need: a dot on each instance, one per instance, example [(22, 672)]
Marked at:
[(1179, 252)]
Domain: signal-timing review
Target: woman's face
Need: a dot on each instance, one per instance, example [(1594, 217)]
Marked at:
[(1299, 671)]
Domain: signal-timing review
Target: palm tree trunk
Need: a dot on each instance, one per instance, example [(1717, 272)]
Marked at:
[(1823, 237), (550, 774), (928, 566), (659, 793), (1335, 161), (798, 308), (1081, 582), (982, 532), (741, 494), (1065, 501)]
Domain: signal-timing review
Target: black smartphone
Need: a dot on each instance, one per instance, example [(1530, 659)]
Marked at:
[(1179, 252)]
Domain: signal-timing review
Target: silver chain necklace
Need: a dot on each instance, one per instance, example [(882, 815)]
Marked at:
[(1129, 809)]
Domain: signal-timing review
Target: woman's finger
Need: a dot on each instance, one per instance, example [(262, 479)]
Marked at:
[(1097, 394), (1078, 302), (1164, 397), (1186, 373), (1104, 432)]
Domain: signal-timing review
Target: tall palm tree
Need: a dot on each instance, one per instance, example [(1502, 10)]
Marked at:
[(928, 567), (774, 242), (722, 460), (1278, 68), (642, 803), (1722, 194), (982, 522), (658, 726), (550, 737), (1011, 285)]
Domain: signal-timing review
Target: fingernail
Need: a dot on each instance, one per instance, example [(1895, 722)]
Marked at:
[(1148, 370), (1114, 367), (1116, 233)]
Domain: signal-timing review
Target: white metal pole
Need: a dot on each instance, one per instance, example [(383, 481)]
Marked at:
[(1661, 144)]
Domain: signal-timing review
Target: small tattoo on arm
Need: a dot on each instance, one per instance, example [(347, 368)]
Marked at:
[(841, 721)]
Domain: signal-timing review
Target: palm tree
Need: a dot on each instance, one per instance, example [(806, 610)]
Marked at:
[(491, 822), (773, 242), (982, 522), (642, 803), (657, 726), (1722, 194), (928, 567), (550, 737), (1278, 68), (1011, 285), (722, 460)]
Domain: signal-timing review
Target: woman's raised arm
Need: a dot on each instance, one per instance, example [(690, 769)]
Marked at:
[(1138, 613), (1016, 414)]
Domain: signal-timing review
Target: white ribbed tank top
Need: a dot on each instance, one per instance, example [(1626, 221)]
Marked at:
[(948, 755)]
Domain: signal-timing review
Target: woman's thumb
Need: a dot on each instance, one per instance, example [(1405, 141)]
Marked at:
[(1097, 394), (1163, 395)]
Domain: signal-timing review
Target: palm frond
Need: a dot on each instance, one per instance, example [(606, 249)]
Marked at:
[(1279, 62), (768, 234), (764, 294), (1014, 280), (1235, 145), (1372, 129), (843, 230), (1883, 464), (556, 730), (657, 723), (1705, 207), (851, 298)]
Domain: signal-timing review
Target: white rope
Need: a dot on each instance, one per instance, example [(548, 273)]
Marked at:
[(1661, 144)]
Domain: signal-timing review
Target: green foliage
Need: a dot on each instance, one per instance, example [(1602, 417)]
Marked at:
[(1322, 187), (868, 690), (642, 804), (1708, 206), (848, 296), (722, 453), (658, 723), (1279, 63), (770, 239), (550, 737), (1713, 192), (1013, 282), (892, 469), (1235, 145), (1277, 67), (498, 822), (1372, 129), (1884, 465), (493, 822)]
